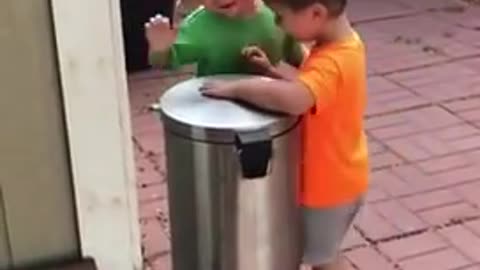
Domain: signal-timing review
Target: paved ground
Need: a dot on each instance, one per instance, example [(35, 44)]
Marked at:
[(423, 122)]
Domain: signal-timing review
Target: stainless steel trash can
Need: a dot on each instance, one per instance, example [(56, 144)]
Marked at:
[(231, 181)]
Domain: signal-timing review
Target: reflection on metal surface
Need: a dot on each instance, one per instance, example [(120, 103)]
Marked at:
[(219, 221), (231, 183)]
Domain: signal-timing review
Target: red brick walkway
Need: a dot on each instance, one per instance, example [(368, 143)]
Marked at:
[(423, 122)]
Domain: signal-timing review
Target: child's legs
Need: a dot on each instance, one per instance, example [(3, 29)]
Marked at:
[(324, 230)]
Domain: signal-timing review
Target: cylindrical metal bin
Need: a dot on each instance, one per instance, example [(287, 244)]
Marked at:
[(231, 182)]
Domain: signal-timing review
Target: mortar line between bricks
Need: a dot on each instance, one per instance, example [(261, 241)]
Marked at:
[(436, 63), (416, 165), (405, 14), (417, 145), (468, 267), (410, 90), (444, 105), (470, 123), (392, 151), (454, 153), (352, 264), (453, 244), (453, 168), (384, 145), (159, 254), (463, 137), (468, 202), (137, 144), (448, 101), (414, 162), (389, 148), (402, 160), (430, 228), (389, 166), (455, 99), (160, 199), (463, 221), (427, 191), (420, 254), (469, 229), (406, 109), (423, 106), (355, 247), (373, 245), (388, 125), (433, 207), (386, 257)]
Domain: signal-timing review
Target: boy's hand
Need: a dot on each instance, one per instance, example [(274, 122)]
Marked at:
[(257, 57), (159, 33), (219, 89)]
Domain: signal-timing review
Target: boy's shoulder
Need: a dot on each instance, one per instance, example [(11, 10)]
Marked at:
[(266, 11), (201, 18), (345, 58), (266, 15), (201, 14), (195, 16), (342, 49)]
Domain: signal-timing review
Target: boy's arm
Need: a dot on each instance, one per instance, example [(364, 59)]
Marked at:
[(158, 58), (257, 57), (290, 97), (178, 55), (316, 87), (282, 71), (294, 55), (184, 50)]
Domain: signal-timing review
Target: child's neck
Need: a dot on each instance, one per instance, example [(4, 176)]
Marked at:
[(337, 30), (251, 10)]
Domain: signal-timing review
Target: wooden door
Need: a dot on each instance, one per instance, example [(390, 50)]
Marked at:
[(37, 219)]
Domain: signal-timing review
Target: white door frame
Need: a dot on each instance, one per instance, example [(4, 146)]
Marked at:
[(92, 71)]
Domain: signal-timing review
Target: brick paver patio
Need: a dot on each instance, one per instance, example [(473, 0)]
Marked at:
[(423, 121)]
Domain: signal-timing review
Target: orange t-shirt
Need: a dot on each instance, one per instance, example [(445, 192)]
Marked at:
[(335, 154)]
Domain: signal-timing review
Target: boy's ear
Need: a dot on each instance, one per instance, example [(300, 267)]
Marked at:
[(318, 11)]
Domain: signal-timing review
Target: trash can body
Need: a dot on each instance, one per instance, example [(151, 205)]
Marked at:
[(231, 182)]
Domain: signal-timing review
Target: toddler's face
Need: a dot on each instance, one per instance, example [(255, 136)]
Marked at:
[(229, 8), (304, 25)]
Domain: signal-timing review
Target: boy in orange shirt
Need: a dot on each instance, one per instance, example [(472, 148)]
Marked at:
[(330, 93)]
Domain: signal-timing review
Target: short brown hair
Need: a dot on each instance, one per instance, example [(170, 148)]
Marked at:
[(334, 7)]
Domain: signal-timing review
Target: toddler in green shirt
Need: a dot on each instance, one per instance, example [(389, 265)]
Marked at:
[(221, 37)]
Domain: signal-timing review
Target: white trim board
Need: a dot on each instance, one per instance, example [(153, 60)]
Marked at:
[(90, 52)]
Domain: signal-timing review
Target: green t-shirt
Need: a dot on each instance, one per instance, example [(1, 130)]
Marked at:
[(215, 42)]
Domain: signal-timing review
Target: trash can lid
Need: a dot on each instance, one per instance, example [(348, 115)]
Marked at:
[(187, 113)]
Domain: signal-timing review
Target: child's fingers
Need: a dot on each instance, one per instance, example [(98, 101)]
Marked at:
[(259, 62), (254, 52), (208, 91), (206, 86), (257, 59), (211, 87), (248, 50), (158, 20)]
